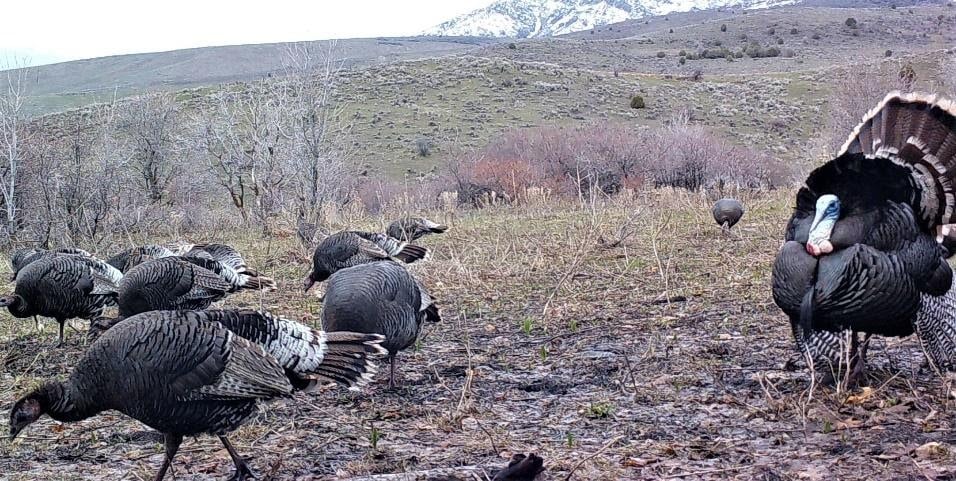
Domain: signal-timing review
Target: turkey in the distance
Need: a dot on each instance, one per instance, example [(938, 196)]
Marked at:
[(408, 229), (727, 212)]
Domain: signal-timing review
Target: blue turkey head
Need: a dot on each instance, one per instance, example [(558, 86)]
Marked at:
[(827, 213)]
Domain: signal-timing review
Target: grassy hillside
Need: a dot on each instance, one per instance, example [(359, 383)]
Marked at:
[(468, 91), (73, 84)]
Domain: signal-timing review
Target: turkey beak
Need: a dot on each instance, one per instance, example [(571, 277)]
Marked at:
[(14, 431)]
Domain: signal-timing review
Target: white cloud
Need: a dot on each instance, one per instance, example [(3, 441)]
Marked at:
[(55, 30)]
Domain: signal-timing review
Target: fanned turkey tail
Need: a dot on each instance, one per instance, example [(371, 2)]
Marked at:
[(917, 131)]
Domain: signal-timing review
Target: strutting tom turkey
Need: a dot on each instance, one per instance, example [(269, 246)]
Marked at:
[(862, 251)]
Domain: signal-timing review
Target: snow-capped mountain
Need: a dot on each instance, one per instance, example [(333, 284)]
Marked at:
[(538, 18)]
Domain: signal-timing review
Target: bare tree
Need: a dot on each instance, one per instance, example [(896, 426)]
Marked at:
[(317, 131), (150, 125), (243, 138), (12, 126)]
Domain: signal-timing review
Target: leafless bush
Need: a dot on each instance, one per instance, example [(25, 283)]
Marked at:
[(12, 126), (317, 130), (691, 157), (247, 143), (606, 158), (948, 76), (150, 128)]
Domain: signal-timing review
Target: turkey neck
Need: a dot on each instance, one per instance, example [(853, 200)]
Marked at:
[(62, 402)]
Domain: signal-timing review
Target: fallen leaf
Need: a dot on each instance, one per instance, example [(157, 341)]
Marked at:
[(860, 398), (931, 450)]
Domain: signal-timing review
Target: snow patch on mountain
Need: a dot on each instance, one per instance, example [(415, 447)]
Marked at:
[(539, 18)]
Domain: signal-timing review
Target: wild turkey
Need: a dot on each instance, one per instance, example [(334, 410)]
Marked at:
[(727, 212), (22, 257), (862, 251), (130, 258), (408, 229), (63, 287), (180, 283), (352, 248), (219, 252), (381, 298), (186, 373), (227, 257)]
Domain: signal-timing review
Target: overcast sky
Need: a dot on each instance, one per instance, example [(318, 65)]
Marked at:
[(47, 31)]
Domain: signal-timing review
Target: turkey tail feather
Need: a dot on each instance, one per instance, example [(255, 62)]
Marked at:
[(411, 253), (918, 131), (349, 358), (257, 282)]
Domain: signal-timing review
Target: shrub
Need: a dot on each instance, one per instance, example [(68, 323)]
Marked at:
[(637, 102), (682, 60), (815, 36), (691, 157), (907, 76), (423, 147), (512, 46), (682, 53), (661, 54), (779, 41), (771, 31), (723, 27), (604, 158), (888, 53), (794, 31), (850, 22)]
